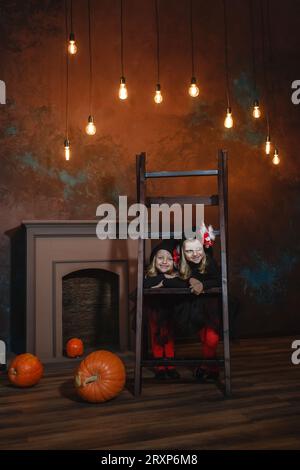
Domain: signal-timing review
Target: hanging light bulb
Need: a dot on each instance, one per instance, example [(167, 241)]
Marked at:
[(268, 145), (228, 120), (256, 113), (123, 93), (72, 48), (193, 89), (158, 96), (90, 128), (67, 149), (276, 158)]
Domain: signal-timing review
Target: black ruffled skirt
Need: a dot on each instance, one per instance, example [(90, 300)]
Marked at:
[(195, 312)]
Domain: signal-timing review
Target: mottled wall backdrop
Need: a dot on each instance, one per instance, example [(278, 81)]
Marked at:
[(36, 182)]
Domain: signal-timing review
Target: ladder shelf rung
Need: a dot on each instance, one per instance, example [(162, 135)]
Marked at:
[(176, 174), (180, 291), (206, 200), (170, 235), (180, 362)]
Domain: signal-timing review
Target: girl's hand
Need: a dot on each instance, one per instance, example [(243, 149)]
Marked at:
[(196, 286), (158, 285)]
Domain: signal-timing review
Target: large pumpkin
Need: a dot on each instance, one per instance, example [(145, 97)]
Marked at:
[(74, 347), (100, 376), (25, 370)]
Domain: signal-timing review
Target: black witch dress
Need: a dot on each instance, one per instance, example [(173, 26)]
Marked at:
[(194, 312), (163, 305)]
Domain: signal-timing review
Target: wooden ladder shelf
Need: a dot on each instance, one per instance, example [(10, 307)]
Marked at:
[(220, 200)]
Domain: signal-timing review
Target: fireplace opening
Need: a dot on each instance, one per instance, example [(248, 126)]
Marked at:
[(90, 301)]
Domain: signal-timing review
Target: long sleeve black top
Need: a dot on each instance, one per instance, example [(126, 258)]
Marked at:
[(210, 278), (212, 275), (167, 282)]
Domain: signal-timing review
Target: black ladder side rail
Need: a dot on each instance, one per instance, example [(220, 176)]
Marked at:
[(223, 214), (221, 200), (140, 173)]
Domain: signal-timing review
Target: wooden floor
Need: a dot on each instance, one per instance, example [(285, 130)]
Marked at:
[(264, 412)]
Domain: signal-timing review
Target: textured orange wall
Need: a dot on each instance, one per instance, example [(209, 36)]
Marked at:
[(36, 182)]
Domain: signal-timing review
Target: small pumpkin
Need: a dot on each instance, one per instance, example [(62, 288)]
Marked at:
[(25, 370), (74, 347), (100, 376)]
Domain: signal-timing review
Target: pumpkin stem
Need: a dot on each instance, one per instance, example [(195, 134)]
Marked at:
[(91, 379), (78, 380)]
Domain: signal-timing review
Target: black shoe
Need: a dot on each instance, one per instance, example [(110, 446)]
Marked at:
[(206, 375), (173, 374), (199, 374), (160, 374), (212, 376)]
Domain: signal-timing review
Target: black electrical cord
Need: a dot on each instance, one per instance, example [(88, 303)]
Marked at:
[(265, 75), (252, 28), (67, 71), (122, 46), (157, 40), (226, 52), (192, 37), (91, 62)]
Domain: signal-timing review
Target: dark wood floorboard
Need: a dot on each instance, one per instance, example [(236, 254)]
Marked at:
[(264, 412)]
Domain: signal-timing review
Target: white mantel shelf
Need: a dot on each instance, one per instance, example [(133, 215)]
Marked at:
[(64, 227), (61, 227), (58, 222)]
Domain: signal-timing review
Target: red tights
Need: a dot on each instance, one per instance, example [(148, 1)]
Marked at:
[(159, 350), (210, 340), (208, 336)]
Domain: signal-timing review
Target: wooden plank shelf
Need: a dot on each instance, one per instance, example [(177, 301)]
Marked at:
[(179, 291), (206, 200), (180, 174), (181, 362)]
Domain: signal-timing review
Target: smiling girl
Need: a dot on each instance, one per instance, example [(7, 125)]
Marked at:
[(161, 273), (201, 272)]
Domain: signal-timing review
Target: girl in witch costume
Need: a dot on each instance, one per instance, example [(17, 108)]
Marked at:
[(200, 271), (160, 309)]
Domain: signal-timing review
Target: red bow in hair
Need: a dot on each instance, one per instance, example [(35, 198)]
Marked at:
[(176, 256), (207, 241), (207, 234)]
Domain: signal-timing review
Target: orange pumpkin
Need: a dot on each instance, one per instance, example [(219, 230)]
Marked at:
[(74, 347), (25, 370), (100, 376)]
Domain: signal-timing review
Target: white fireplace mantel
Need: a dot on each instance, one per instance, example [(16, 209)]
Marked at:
[(55, 248)]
